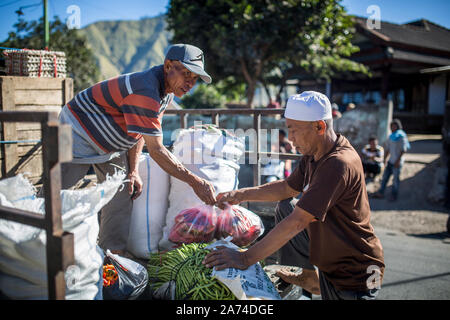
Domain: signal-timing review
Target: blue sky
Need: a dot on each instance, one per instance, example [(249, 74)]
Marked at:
[(396, 11)]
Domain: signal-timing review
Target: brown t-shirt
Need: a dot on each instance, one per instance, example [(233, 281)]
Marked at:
[(342, 241)]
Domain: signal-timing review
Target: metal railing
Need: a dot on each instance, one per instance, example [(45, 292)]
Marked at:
[(257, 114), (56, 148)]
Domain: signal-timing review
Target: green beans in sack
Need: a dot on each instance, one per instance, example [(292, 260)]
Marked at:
[(184, 267)]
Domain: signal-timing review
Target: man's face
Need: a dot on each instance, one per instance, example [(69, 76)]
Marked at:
[(394, 127), (303, 135), (178, 79), (373, 143)]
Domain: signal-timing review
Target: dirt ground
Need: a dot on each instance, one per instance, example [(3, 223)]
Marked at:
[(413, 212)]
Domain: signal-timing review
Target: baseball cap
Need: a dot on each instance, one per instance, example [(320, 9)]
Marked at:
[(191, 57), (308, 106)]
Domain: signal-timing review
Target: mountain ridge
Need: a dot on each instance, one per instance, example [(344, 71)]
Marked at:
[(124, 46)]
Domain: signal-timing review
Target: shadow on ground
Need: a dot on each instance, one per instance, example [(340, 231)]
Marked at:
[(414, 189), (436, 235)]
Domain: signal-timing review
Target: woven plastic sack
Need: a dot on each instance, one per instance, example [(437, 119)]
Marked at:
[(23, 265), (250, 284), (148, 216)]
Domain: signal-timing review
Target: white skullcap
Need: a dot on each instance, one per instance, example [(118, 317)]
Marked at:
[(308, 106)]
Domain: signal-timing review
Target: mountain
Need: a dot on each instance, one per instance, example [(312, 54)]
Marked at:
[(127, 46)]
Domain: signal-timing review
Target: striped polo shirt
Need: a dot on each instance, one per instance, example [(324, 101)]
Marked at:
[(115, 113)]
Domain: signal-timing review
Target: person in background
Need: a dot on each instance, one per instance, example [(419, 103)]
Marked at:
[(335, 111), (351, 106), (277, 169), (274, 104), (395, 147), (372, 158), (286, 146)]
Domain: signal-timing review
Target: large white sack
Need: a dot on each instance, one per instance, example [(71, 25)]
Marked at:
[(211, 154), (23, 264), (149, 212)]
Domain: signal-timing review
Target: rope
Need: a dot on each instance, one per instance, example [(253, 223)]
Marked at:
[(19, 141)]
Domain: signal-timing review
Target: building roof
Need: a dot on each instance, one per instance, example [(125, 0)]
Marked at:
[(419, 57), (420, 33)]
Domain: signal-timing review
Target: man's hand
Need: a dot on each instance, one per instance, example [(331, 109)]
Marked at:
[(230, 198), (135, 185), (224, 257), (204, 190)]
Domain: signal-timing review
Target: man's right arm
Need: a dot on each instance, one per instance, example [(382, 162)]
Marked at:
[(169, 163), (270, 192)]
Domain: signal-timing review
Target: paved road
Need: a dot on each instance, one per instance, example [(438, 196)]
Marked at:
[(416, 267), (418, 261)]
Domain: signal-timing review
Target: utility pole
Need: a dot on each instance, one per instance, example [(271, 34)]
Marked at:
[(46, 27)]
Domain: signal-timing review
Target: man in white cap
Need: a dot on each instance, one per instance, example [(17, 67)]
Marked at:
[(328, 228), (112, 120)]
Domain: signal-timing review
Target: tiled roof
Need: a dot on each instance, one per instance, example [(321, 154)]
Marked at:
[(420, 33)]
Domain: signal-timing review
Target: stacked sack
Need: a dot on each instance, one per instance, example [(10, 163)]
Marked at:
[(210, 153), (23, 264), (148, 215)]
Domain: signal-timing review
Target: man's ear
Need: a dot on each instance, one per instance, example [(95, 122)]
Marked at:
[(321, 127), (167, 65)]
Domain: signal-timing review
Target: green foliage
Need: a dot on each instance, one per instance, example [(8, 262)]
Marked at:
[(231, 89), (204, 97), (80, 62), (248, 39)]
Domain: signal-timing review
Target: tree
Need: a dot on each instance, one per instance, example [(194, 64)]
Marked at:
[(80, 61), (248, 39), (204, 97)]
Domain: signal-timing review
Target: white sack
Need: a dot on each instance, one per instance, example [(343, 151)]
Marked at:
[(23, 264), (251, 283), (149, 212), (210, 154)]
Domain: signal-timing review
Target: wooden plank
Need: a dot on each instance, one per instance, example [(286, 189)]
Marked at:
[(67, 90), (36, 108), (23, 150), (31, 165), (26, 116), (26, 83), (38, 97), (22, 216), (7, 103), (28, 135), (28, 126), (56, 247)]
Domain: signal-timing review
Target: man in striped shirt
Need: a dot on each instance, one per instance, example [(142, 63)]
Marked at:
[(112, 120)]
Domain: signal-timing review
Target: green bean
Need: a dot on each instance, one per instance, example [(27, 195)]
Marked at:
[(184, 266)]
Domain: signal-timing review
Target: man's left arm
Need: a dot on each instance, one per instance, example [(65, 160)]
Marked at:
[(397, 162), (135, 186), (402, 152), (284, 231)]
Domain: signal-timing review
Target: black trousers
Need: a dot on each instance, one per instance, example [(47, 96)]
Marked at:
[(296, 253), (372, 168)]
